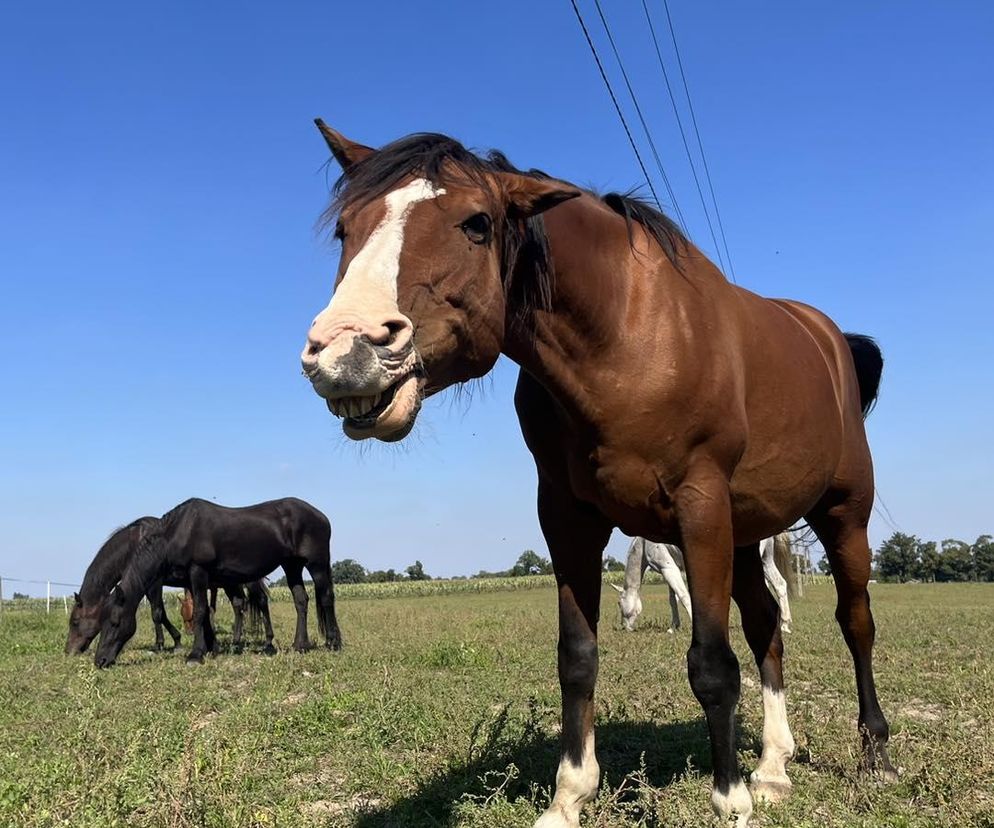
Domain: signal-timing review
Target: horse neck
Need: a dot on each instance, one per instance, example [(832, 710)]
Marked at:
[(142, 570), (635, 565), (108, 564)]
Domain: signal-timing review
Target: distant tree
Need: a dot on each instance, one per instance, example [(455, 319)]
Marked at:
[(348, 571), (612, 564), (483, 573), (530, 563), (380, 576), (897, 557), (824, 567), (983, 558), (955, 562), (19, 595), (928, 562), (416, 572)]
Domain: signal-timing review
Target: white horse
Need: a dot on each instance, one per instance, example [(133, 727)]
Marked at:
[(667, 560)]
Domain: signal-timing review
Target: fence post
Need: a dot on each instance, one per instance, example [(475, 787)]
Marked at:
[(48, 597), (800, 577), (1, 595), (65, 604)]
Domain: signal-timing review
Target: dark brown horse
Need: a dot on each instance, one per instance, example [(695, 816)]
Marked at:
[(654, 395)]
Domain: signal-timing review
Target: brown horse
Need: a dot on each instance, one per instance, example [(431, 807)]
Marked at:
[(654, 395)]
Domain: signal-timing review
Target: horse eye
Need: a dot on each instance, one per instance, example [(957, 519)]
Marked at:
[(478, 228)]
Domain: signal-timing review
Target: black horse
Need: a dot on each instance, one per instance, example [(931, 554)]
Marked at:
[(204, 543), (105, 570)]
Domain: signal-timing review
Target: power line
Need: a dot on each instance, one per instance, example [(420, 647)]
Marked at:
[(614, 100), (700, 144), (638, 110), (683, 134)]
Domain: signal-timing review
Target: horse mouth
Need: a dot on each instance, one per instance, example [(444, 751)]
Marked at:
[(388, 415)]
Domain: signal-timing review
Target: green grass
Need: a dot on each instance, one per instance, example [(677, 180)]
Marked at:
[(443, 710)]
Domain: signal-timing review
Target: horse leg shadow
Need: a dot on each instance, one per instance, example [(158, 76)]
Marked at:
[(660, 753)]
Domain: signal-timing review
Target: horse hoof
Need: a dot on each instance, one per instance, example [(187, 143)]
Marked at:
[(671, 631), (556, 818), (785, 628), (888, 776), (194, 660), (269, 650)]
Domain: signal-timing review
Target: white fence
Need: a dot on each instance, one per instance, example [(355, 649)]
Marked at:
[(8, 602)]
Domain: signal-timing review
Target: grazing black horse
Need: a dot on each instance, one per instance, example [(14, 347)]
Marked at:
[(205, 543), (105, 571)]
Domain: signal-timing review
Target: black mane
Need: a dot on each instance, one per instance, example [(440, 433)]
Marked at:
[(112, 558), (434, 156)]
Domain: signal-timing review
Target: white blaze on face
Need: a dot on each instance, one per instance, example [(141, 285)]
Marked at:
[(369, 287)]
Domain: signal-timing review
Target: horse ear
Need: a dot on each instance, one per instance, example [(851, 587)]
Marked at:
[(347, 153), (530, 196), (75, 596), (618, 588)]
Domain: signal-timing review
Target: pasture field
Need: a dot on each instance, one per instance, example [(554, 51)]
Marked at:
[(443, 710)]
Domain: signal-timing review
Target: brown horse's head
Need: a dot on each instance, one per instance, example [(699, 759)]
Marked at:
[(84, 625), (430, 234)]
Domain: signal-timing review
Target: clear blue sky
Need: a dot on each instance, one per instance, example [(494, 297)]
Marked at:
[(160, 178)]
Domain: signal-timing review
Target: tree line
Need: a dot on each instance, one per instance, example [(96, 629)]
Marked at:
[(902, 558), (350, 571)]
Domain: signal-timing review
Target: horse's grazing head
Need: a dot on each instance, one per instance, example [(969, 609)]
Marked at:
[(84, 625), (430, 234), (630, 604), (118, 626)]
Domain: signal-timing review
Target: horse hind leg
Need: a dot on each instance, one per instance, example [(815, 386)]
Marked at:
[(840, 523), (760, 617)]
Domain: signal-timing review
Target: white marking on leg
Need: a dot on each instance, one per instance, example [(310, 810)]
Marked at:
[(576, 785), (769, 780), (737, 804)]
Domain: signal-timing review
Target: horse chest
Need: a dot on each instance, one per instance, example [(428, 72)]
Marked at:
[(624, 487)]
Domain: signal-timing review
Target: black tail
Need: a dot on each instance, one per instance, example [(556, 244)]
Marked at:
[(258, 605), (869, 366)]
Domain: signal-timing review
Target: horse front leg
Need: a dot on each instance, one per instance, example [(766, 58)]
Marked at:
[(703, 509), (576, 535), (201, 615), (154, 596)]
